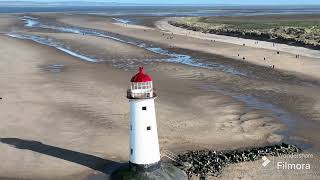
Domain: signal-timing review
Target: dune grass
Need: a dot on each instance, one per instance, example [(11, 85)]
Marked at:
[(301, 30)]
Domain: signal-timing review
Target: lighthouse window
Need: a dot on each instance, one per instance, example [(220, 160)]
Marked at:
[(144, 108), (148, 128), (131, 151), (144, 85)]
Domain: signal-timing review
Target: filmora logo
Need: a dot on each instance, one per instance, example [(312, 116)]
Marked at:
[(293, 166), (266, 161), (287, 162)]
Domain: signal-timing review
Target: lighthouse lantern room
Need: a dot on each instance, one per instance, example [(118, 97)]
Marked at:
[(144, 146)]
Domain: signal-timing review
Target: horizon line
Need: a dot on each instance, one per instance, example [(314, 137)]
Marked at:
[(147, 4)]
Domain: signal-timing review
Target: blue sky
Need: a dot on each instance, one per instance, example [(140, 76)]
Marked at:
[(236, 2)]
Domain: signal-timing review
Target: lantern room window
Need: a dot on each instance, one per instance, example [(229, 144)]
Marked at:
[(141, 85)]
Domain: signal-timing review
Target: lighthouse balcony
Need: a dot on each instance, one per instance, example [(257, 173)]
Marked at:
[(138, 94)]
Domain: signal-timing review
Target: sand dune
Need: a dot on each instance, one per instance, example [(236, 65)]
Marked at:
[(165, 26)]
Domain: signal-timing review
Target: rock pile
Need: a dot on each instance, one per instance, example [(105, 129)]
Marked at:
[(210, 163)]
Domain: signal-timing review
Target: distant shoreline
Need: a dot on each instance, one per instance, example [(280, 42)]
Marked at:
[(259, 36), (242, 42), (254, 37)]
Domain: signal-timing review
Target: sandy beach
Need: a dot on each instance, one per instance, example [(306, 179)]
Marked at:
[(286, 61), (73, 116), (165, 26)]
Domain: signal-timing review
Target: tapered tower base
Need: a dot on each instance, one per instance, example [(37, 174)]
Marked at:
[(166, 171)]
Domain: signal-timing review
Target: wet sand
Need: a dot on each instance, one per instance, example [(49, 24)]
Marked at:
[(78, 112), (306, 66)]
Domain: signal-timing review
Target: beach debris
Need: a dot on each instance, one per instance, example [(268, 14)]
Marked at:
[(205, 163)]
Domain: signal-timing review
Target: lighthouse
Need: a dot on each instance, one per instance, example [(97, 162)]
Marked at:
[(144, 153), (144, 145)]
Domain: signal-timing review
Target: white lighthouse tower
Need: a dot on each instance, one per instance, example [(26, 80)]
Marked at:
[(144, 158), (144, 145)]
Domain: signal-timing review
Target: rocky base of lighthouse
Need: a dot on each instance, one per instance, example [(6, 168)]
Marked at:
[(166, 171)]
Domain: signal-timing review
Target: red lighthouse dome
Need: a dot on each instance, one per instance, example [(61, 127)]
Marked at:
[(141, 86), (141, 76)]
